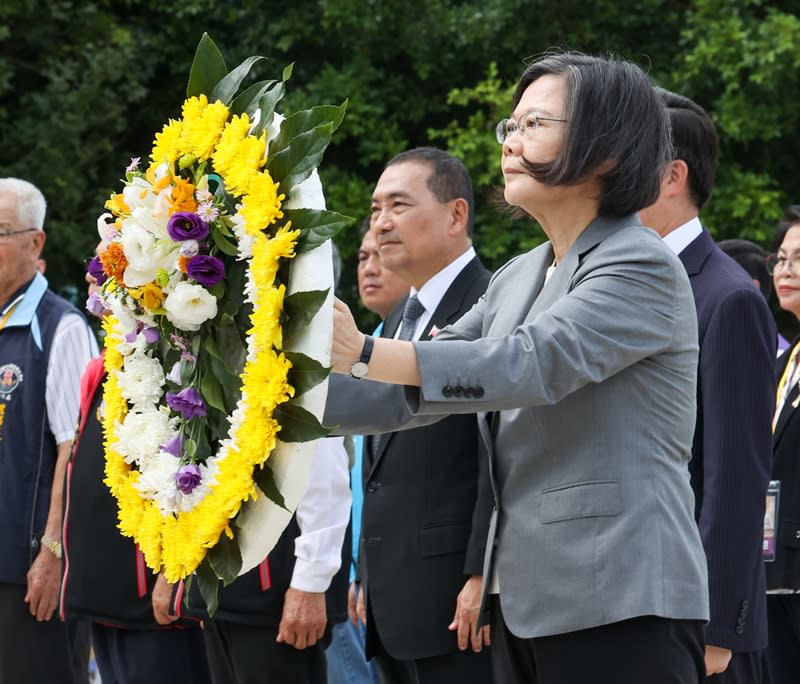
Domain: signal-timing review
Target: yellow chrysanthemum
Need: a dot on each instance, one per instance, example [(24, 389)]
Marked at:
[(202, 125), (261, 206), (165, 146), (239, 156), (245, 165)]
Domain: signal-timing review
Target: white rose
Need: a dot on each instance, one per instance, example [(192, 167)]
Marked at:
[(142, 433), (145, 255), (141, 380), (190, 305)]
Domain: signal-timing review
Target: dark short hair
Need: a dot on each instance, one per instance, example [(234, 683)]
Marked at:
[(752, 258), (791, 217), (448, 180), (694, 141), (613, 116)]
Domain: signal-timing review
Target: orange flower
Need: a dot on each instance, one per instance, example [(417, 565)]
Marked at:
[(114, 261), (183, 262), (183, 196)]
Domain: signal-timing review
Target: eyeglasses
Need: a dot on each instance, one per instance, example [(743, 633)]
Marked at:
[(525, 125), (5, 233), (777, 262)]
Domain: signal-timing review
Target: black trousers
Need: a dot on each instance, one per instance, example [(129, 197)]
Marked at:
[(244, 654), (647, 649), (31, 651), (782, 657), (150, 656), (457, 667)]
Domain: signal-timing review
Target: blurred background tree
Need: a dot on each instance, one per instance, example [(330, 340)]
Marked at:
[(85, 85)]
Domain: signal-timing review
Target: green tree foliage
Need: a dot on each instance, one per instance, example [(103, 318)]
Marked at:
[(84, 88)]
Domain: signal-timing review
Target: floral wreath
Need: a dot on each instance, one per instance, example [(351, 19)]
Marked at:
[(205, 379)]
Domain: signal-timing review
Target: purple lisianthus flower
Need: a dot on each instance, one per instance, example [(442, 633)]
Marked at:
[(187, 402), (95, 269), (185, 225), (174, 446), (188, 477), (151, 335), (95, 305), (206, 270)]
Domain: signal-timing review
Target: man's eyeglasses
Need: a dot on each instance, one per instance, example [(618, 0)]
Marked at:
[(5, 233), (525, 125), (777, 262)]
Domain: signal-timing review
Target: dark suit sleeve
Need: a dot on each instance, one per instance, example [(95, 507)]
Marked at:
[(484, 503), (737, 395)]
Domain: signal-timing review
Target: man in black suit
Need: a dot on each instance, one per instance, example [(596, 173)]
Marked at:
[(427, 498), (731, 453)]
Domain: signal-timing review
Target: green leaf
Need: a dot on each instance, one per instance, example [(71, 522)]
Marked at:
[(229, 85), (247, 100), (295, 163), (212, 391), (208, 68), (267, 105), (297, 424), (299, 309), (208, 584), (231, 346), (265, 479), (305, 372), (236, 276), (306, 120), (223, 244), (316, 225), (231, 387), (287, 72), (225, 559)]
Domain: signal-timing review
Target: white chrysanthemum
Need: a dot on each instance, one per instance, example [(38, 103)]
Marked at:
[(142, 433), (245, 241), (190, 305), (157, 481), (141, 380)]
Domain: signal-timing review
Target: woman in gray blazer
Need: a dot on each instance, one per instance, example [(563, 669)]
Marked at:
[(582, 356)]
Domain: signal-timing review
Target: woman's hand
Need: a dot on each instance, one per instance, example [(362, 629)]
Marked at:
[(347, 340)]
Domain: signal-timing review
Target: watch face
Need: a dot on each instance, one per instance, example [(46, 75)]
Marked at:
[(359, 369)]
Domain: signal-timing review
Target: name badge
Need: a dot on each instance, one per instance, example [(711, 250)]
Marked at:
[(771, 521)]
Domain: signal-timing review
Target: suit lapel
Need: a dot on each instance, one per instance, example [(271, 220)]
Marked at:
[(558, 284), (788, 406)]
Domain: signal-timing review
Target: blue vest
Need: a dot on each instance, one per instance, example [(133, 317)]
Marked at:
[(27, 446)]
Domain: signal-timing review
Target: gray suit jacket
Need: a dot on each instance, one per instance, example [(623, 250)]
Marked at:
[(591, 381)]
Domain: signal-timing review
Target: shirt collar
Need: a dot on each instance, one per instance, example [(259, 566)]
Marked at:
[(432, 292), (27, 302), (680, 238)]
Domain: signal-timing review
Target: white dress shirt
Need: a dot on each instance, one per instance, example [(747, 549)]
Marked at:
[(322, 514), (432, 292)]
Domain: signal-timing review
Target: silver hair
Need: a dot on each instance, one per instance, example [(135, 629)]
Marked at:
[(31, 204)]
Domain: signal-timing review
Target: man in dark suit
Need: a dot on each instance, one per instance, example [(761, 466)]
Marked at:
[(427, 497), (731, 453)]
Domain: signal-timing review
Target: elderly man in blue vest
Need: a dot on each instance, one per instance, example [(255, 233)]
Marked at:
[(44, 345)]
